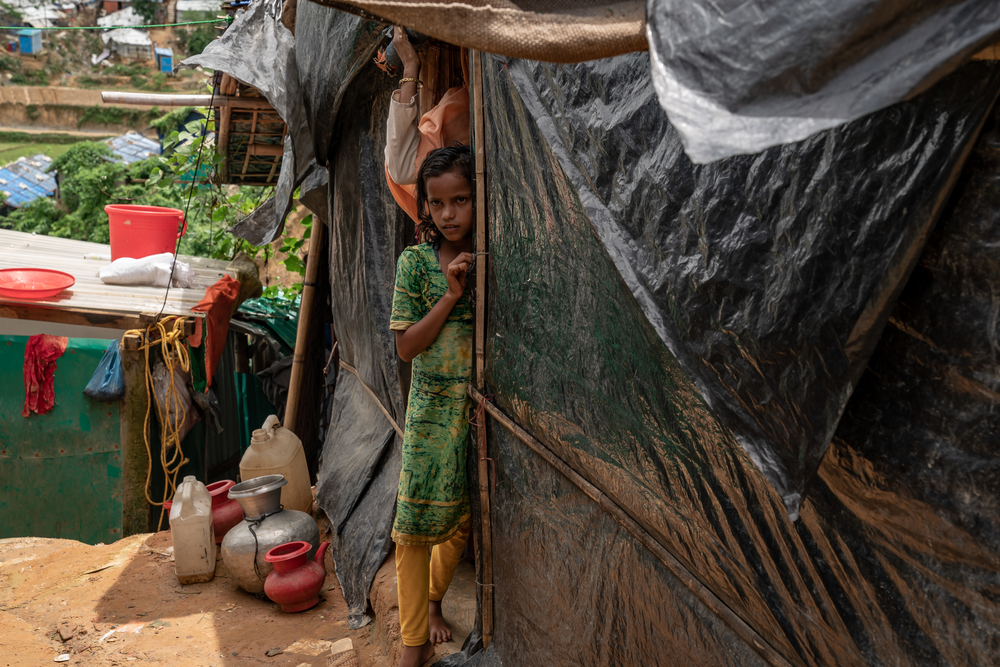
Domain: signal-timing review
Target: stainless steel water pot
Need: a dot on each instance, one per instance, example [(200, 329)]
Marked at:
[(265, 525)]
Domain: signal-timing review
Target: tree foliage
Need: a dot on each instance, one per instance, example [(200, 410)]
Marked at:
[(90, 179)]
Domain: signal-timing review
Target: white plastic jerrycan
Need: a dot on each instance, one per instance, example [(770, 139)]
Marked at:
[(191, 528), (274, 450)]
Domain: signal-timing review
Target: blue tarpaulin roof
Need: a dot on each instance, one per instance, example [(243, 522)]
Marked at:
[(133, 147), (25, 180)]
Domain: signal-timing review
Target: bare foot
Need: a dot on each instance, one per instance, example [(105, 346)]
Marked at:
[(415, 656), (440, 632)]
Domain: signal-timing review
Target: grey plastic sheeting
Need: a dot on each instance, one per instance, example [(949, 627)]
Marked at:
[(258, 50), (739, 77), (770, 276), (367, 234), (890, 562)]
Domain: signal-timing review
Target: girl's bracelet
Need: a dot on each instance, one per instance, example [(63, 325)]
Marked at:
[(413, 79)]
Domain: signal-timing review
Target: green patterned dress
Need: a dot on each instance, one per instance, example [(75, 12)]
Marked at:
[(433, 497)]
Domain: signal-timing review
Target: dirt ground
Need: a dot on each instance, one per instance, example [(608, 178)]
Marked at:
[(120, 604)]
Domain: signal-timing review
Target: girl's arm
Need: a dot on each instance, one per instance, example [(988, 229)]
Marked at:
[(411, 63), (402, 133), (421, 335)]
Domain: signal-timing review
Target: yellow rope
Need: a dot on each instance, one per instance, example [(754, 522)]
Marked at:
[(174, 353)]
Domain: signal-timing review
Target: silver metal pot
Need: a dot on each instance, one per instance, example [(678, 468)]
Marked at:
[(260, 495), (265, 526)]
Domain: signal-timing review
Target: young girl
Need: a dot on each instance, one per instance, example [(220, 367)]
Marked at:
[(432, 318)]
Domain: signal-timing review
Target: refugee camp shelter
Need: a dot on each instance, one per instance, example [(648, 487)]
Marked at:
[(734, 373), (25, 180), (80, 471), (129, 43), (133, 147), (164, 59), (29, 41), (126, 16)]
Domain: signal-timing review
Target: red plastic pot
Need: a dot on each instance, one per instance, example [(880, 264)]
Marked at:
[(226, 512), (295, 582)]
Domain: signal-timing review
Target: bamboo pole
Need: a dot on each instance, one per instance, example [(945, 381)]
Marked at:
[(132, 414), (152, 100), (225, 116), (480, 335), (991, 52), (305, 316), (273, 150)]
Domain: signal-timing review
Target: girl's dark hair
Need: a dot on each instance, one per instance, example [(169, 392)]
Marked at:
[(457, 158)]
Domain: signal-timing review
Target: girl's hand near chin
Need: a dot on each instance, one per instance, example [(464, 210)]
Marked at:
[(457, 273)]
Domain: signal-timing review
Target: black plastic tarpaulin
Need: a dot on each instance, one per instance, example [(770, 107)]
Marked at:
[(590, 196), (669, 331), (739, 77), (769, 277)]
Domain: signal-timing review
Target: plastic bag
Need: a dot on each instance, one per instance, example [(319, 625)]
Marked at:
[(151, 271), (173, 405), (107, 384)]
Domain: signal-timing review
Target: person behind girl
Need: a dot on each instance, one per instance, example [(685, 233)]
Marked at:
[(432, 321)]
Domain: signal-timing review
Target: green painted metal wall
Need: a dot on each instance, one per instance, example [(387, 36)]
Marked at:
[(60, 473)]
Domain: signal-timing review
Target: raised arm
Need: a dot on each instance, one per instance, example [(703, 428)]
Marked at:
[(411, 64), (402, 133)]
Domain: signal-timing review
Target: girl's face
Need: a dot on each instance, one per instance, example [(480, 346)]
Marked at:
[(449, 199)]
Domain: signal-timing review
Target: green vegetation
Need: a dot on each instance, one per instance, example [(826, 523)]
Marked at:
[(89, 181), (196, 39), (30, 78), (10, 137), (169, 122), (128, 69), (11, 151), (147, 9), (101, 115)]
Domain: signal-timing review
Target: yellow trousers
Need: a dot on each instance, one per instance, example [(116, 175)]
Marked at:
[(424, 574)]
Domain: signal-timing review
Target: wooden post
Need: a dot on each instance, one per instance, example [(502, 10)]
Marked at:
[(135, 461), (479, 130), (305, 317), (225, 119)]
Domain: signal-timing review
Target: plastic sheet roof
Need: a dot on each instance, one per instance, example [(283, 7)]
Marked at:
[(125, 16), (127, 36), (197, 6), (25, 180), (133, 147)]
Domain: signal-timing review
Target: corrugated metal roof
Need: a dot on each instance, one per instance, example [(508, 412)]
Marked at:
[(163, 51), (83, 260), (133, 147), (26, 180)]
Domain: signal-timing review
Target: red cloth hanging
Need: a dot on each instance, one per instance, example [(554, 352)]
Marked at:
[(40, 356), (218, 308)]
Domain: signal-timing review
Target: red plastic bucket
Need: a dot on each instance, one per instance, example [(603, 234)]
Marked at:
[(140, 231)]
